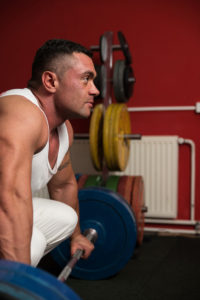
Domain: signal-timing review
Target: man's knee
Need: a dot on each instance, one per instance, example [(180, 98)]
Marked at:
[(68, 219), (38, 245)]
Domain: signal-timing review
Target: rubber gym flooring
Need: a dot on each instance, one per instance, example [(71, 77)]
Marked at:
[(163, 268)]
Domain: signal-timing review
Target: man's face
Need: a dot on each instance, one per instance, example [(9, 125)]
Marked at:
[(76, 91)]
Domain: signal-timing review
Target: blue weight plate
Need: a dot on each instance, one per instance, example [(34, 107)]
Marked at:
[(20, 281), (112, 217)]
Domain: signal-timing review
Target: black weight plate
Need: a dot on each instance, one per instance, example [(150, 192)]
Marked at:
[(118, 81), (23, 282), (125, 47), (111, 216), (100, 81), (129, 81)]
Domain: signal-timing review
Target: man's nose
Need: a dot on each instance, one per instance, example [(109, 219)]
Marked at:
[(94, 90)]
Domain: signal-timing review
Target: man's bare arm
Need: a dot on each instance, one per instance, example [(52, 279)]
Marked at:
[(63, 187), (18, 141)]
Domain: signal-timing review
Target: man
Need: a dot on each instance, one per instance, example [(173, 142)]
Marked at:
[(35, 136)]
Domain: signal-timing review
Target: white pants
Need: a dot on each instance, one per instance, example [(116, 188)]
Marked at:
[(53, 222)]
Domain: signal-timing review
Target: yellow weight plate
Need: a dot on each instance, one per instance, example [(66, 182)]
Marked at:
[(121, 144), (95, 139), (107, 147), (122, 126), (116, 147)]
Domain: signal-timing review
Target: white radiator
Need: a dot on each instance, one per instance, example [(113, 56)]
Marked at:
[(153, 157), (156, 159)]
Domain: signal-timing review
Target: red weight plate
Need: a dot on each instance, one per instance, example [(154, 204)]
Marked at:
[(137, 206), (124, 187), (81, 181)]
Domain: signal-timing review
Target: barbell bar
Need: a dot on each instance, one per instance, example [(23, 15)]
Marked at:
[(91, 235), (23, 282), (86, 136)]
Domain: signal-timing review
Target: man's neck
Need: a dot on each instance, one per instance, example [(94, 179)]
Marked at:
[(46, 103)]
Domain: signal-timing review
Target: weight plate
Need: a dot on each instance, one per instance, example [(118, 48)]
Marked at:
[(112, 160), (115, 146), (118, 81), (100, 80), (103, 48), (137, 205), (123, 81), (93, 180), (28, 283), (95, 137), (111, 216), (82, 180), (112, 183), (107, 137), (124, 47), (129, 81), (125, 186), (122, 126)]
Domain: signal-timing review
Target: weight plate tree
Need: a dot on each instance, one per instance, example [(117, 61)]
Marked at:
[(112, 217)]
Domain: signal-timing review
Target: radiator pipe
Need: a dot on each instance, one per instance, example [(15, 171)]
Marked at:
[(169, 230), (192, 180), (162, 108)]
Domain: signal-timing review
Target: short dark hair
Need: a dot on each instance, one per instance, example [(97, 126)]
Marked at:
[(47, 53)]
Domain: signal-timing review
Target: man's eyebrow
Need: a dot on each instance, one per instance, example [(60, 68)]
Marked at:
[(90, 74)]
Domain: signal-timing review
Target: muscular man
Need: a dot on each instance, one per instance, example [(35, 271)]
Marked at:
[(35, 136)]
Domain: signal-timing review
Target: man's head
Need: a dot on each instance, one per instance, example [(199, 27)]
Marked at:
[(50, 58)]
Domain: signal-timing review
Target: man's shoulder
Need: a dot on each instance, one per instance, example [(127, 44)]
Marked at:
[(11, 92)]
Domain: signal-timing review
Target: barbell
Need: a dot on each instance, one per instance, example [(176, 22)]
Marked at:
[(109, 136), (107, 215), (23, 282)]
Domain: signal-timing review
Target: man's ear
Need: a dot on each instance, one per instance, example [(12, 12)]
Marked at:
[(49, 80)]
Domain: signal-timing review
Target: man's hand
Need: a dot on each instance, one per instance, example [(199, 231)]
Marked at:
[(81, 242)]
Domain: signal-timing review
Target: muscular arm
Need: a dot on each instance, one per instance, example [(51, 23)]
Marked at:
[(18, 141), (63, 187)]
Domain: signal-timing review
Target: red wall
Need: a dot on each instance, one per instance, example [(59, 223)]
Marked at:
[(164, 38)]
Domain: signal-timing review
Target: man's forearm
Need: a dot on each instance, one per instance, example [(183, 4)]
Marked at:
[(15, 238)]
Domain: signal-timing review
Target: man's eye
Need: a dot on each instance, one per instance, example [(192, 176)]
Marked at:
[(86, 79)]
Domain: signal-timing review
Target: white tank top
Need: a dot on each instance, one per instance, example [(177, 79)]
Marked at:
[(41, 169)]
